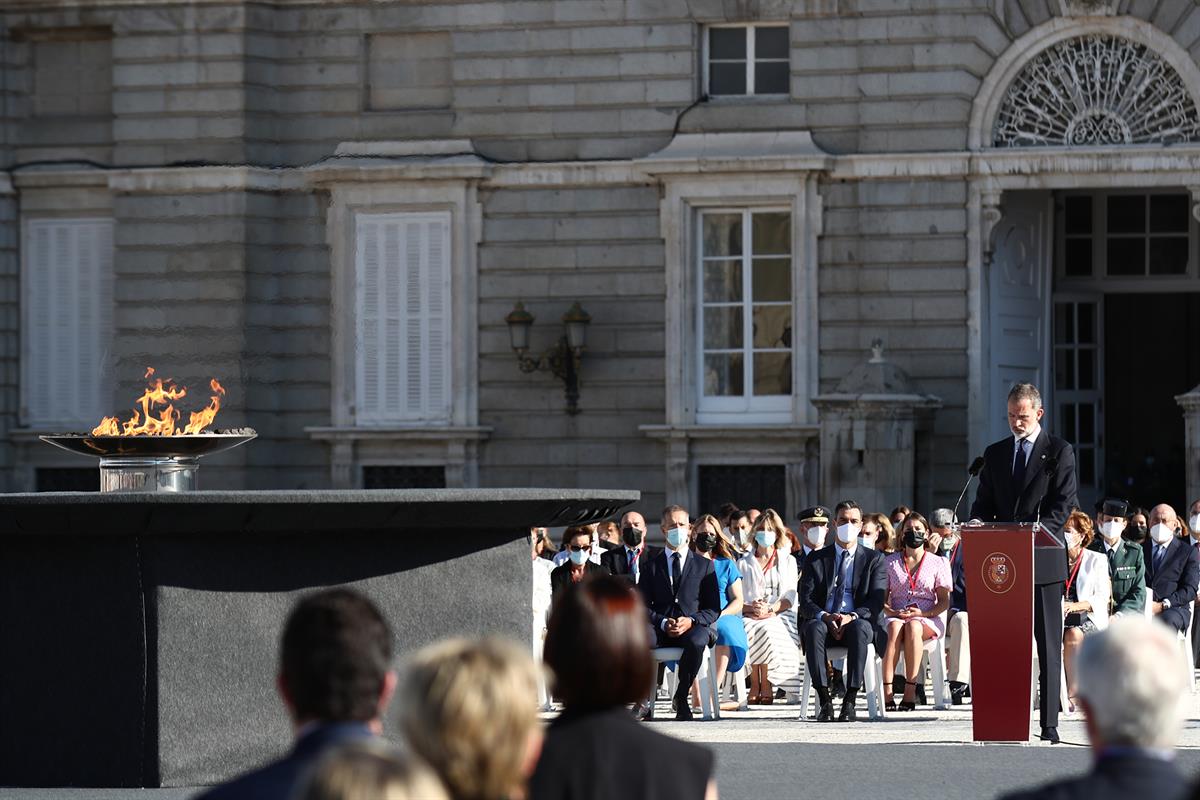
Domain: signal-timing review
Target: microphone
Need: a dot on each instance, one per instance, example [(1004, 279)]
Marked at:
[(1051, 464), (975, 468)]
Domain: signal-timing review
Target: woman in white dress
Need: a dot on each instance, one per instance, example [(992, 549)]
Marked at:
[(769, 577), (1086, 594)]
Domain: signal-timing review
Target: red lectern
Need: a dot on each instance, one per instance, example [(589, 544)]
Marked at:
[(998, 565)]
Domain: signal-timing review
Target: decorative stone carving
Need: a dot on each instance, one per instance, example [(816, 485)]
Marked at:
[(1096, 90), (1190, 403), (1087, 8)]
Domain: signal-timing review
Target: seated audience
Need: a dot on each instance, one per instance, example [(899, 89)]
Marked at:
[(918, 591), (878, 533), (769, 586), (683, 601), (1172, 572), (609, 535), (469, 709), (578, 564), (1126, 564), (629, 561), (1138, 525), (564, 553), (943, 532), (335, 679), (1131, 683), (958, 628), (598, 653), (371, 770), (898, 514), (739, 531), (542, 587), (814, 532), (1193, 524), (709, 542), (1086, 594), (841, 594), (542, 547)]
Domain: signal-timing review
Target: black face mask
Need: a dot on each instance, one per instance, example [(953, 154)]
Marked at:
[(706, 542), (631, 537), (914, 539), (1136, 533)]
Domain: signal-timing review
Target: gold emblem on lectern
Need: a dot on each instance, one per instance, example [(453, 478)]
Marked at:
[(999, 573)]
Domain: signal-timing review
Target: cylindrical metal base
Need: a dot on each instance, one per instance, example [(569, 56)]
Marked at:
[(148, 474)]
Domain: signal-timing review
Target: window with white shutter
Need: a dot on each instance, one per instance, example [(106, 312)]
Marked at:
[(402, 344), (67, 311)]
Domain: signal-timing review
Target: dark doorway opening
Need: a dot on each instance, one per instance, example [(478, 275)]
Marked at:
[(760, 486), (1152, 354)]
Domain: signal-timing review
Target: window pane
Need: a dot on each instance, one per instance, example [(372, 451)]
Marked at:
[(772, 280), (723, 375), (1064, 323), (771, 42), (727, 78), (1087, 423), (772, 374), (722, 235), (1127, 213), (1079, 258), (1064, 369), (1087, 466), (772, 326), (1078, 214), (1087, 323), (722, 328), (1087, 369), (1168, 255), (771, 233), (727, 43), (1067, 429), (771, 78), (1168, 213), (722, 281), (1127, 256)]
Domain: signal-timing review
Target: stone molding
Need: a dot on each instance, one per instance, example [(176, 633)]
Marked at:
[(456, 448)]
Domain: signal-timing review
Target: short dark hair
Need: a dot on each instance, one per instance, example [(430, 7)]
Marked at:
[(334, 656), (737, 514), (669, 510), (1025, 391), (597, 645), (845, 505)]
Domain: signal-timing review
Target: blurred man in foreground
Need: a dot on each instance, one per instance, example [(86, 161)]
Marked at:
[(1131, 680)]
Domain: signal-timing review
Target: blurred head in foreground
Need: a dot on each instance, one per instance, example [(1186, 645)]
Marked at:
[(469, 709), (371, 770), (597, 646), (1131, 679)]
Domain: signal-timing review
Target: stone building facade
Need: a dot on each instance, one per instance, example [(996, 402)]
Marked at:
[(333, 206)]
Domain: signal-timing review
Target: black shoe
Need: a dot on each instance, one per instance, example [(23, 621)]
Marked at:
[(1050, 735), (957, 692), (848, 714), (837, 687), (921, 693), (684, 712), (826, 714)]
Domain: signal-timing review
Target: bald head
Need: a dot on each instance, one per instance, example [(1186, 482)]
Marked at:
[(1164, 514), (633, 519)]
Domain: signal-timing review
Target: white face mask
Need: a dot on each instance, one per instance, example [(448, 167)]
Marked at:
[(1073, 539), (868, 540), (1161, 534), (815, 536), (1111, 530), (764, 538), (579, 556), (848, 532), (1194, 523)]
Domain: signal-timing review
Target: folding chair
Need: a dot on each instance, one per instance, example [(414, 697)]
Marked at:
[(710, 702), (872, 682)]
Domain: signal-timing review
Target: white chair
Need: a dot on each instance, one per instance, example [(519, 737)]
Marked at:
[(1064, 700), (933, 656), (872, 682), (710, 703), (1185, 641), (539, 641), (735, 682)]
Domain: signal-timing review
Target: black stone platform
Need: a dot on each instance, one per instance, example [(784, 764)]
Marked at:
[(138, 633)]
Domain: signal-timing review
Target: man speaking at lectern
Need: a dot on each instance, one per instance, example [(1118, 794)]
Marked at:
[(1027, 477)]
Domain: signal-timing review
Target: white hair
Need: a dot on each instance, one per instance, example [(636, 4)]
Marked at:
[(1132, 677)]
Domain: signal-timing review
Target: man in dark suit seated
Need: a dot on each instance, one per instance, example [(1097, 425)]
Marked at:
[(336, 681), (841, 595), (680, 590), (629, 561), (1132, 730), (1172, 573), (577, 566)]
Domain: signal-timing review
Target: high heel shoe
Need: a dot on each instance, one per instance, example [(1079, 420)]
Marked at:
[(908, 705), (889, 701)]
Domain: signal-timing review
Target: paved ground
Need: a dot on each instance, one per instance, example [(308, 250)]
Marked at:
[(767, 753)]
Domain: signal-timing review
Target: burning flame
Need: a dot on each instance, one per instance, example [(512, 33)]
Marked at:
[(158, 416)]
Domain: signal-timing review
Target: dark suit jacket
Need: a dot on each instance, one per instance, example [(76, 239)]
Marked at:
[(869, 576), (560, 578), (697, 596), (1176, 580), (617, 563), (1053, 494), (278, 780), (958, 579), (1116, 778)]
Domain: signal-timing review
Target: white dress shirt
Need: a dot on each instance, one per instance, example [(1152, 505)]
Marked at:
[(1032, 437)]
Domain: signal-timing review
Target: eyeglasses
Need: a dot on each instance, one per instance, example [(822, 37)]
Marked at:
[(578, 548)]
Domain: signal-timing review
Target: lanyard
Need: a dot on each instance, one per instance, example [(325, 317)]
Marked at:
[(1074, 572), (770, 563), (913, 575), (953, 550)]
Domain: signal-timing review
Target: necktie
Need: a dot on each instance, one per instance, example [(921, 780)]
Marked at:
[(674, 570), (1112, 558), (1159, 551), (1018, 474), (835, 593), (632, 560)]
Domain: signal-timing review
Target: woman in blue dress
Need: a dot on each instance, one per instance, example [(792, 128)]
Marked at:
[(708, 542)]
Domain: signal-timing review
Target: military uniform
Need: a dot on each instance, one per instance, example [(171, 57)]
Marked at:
[(1127, 568)]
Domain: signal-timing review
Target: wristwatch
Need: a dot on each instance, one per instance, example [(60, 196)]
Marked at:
[(1166, 603)]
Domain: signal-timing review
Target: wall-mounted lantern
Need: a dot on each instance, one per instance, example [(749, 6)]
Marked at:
[(563, 359)]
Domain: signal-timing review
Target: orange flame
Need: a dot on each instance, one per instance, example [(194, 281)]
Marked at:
[(158, 416)]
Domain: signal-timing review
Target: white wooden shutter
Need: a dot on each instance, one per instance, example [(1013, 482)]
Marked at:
[(403, 315), (67, 331)]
